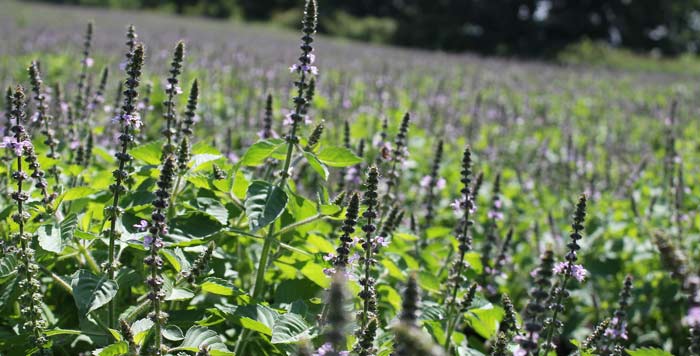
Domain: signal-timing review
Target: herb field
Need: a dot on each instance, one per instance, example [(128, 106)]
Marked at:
[(171, 186)]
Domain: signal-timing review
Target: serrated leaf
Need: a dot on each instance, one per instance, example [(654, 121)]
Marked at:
[(197, 163), (8, 267), (55, 239), (289, 328), (257, 318), (317, 165), (338, 157), (197, 336), (179, 294), (91, 292), (140, 329), (149, 153), (264, 203), (173, 333), (259, 152), (117, 349), (196, 224), (219, 286), (78, 193)]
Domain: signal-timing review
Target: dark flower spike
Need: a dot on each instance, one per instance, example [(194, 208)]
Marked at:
[(306, 71), (45, 119), (78, 104), (616, 331), (128, 336), (309, 95), (509, 324), (267, 119), (367, 317), (596, 335), (567, 270), (468, 298), (337, 317), (536, 308), (128, 120), (430, 196), (456, 277), (184, 152), (343, 251), (315, 136), (500, 348), (412, 341), (398, 155), (477, 187), (410, 302), (154, 241), (172, 89), (28, 270), (200, 265)]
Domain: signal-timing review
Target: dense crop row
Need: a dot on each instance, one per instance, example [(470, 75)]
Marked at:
[(167, 203)]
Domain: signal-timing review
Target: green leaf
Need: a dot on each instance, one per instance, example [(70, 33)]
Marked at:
[(196, 224), (289, 328), (172, 333), (319, 167), (264, 203), (55, 239), (648, 352), (177, 259), (219, 286), (59, 331), (118, 349), (485, 319), (259, 152), (197, 336), (257, 318), (179, 294), (140, 329), (149, 153), (79, 193), (198, 161), (91, 292), (8, 267), (338, 157)]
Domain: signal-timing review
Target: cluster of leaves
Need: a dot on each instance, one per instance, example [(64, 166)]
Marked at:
[(242, 235)]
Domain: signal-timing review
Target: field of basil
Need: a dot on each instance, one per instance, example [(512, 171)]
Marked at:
[(174, 186)]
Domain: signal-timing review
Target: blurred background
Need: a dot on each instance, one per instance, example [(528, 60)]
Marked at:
[(523, 28)]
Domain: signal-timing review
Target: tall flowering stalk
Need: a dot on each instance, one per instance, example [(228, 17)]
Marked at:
[(154, 241), (337, 319), (172, 89), (341, 260), (305, 70), (456, 278), (397, 156), (44, 117), (185, 149), (30, 299), (409, 339), (266, 131), (566, 270), (368, 321), (79, 101), (432, 181), (616, 332), (536, 308), (494, 215), (128, 121)]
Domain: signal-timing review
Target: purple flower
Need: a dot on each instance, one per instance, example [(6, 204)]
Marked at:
[(326, 349), (352, 175), (328, 257), (88, 62), (303, 68), (577, 271), (617, 329), (130, 119), (381, 241), (693, 317), (495, 215), (17, 146), (354, 257), (147, 241), (141, 226), (169, 87)]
